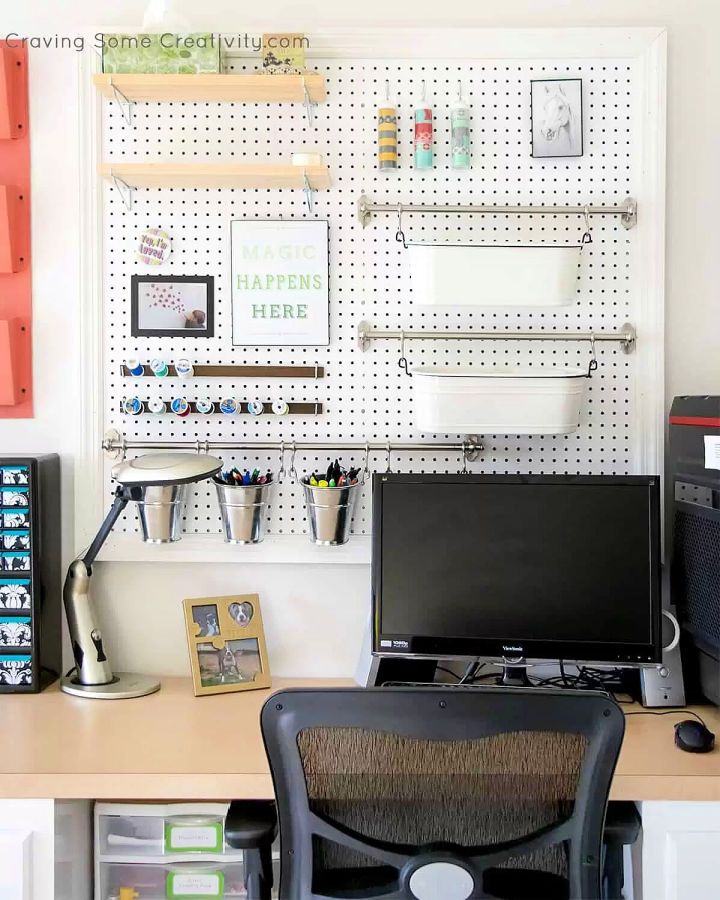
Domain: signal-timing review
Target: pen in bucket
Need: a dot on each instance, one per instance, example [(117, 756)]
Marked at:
[(330, 497), (243, 498)]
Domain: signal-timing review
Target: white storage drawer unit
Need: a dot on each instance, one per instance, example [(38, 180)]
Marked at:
[(173, 850), (452, 275)]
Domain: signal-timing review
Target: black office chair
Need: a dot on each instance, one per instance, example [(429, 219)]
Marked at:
[(434, 794)]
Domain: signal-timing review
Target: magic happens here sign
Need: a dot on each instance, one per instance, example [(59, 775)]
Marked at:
[(279, 283)]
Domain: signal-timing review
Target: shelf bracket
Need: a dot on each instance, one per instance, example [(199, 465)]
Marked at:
[(309, 192), (309, 105), (125, 104), (125, 191)]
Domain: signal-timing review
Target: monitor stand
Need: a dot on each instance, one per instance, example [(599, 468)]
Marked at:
[(514, 674), (402, 670)]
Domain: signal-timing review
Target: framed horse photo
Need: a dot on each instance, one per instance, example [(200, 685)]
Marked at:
[(227, 644), (557, 117)]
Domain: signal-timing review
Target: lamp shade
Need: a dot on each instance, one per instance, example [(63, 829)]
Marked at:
[(166, 468)]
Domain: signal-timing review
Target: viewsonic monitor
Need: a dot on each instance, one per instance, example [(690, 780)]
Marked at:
[(508, 566)]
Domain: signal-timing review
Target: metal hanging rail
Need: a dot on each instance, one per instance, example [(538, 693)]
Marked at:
[(115, 443), (627, 336), (627, 210)]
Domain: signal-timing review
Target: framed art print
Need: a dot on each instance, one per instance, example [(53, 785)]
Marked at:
[(172, 306), (279, 277), (226, 641), (557, 117)]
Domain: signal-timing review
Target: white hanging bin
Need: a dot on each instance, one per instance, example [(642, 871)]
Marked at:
[(467, 400), (452, 275)]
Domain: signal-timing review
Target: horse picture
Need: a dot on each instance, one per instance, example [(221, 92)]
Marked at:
[(557, 117)]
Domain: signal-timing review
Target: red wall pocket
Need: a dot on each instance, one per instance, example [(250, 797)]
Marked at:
[(15, 268)]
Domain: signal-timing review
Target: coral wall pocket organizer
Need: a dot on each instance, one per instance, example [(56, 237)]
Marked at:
[(172, 306), (279, 277), (15, 262)]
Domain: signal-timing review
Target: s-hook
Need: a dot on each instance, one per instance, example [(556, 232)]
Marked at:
[(400, 234), (593, 356), (465, 448), (293, 470), (587, 235), (403, 362), (281, 470), (366, 466), (388, 451)]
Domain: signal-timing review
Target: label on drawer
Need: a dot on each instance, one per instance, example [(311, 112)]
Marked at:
[(194, 838), (195, 884)]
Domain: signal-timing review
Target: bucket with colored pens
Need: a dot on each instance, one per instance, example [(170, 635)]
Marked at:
[(330, 501), (243, 500)]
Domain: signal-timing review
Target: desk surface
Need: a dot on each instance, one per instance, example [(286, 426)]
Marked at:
[(173, 745)]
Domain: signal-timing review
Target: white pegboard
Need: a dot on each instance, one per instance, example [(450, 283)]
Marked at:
[(365, 395)]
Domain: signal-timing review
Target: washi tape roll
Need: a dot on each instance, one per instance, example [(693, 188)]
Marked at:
[(159, 368), (387, 152), (205, 407), (423, 137), (255, 407), (180, 407), (132, 406), (157, 407), (184, 368), (135, 367), (228, 406), (280, 408)]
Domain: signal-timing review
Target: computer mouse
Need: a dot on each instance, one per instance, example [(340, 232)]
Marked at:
[(694, 737)]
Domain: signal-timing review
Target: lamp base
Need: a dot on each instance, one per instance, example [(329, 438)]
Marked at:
[(124, 686)]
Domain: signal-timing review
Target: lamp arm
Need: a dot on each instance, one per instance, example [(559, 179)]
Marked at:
[(123, 495)]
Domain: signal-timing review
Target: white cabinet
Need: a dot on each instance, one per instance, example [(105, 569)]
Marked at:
[(45, 850), (680, 851), (15, 862)]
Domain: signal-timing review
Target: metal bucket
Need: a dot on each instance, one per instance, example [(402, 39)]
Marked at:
[(330, 511), (161, 512), (243, 509)]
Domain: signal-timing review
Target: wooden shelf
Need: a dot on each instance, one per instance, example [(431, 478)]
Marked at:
[(207, 88), (216, 175)]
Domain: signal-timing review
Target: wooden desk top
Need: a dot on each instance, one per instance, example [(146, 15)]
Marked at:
[(173, 745)]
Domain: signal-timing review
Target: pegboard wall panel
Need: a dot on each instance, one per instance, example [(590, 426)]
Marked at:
[(365, 395)]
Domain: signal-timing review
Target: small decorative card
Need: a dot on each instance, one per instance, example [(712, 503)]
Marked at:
[(284, 53)]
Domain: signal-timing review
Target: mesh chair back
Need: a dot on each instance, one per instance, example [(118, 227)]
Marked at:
[(374, 785)]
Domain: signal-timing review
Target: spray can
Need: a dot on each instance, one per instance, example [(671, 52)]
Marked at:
[(423, 134), (460, 132), (387, 150)]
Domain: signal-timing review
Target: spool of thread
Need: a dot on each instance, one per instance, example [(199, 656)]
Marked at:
[(159, 368), (460, 133), (423, 134), (180, 407), (184, 369), (228, 406), (255, 407), (387, 149), (157, 407), (205, 407), (280, 408), (135, 367), (132, 406)]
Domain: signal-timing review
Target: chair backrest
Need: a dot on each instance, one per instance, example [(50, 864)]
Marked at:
[(388, 790)]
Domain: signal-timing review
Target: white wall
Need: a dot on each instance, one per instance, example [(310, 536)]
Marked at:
[(313, 614)]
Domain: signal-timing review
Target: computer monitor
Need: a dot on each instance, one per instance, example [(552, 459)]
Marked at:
[(508, 566)]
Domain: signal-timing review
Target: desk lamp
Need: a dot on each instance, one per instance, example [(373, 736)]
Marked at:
[(157, 483)]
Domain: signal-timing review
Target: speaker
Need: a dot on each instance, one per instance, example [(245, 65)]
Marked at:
[(664, 685)]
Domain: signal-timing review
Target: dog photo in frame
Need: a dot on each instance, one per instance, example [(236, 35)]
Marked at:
[(226, 642)]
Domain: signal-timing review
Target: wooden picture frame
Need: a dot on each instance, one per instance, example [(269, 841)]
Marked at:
[(191, 318), (226, 642)]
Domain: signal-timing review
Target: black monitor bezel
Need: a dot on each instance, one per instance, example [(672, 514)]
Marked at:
[(424, 646)]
